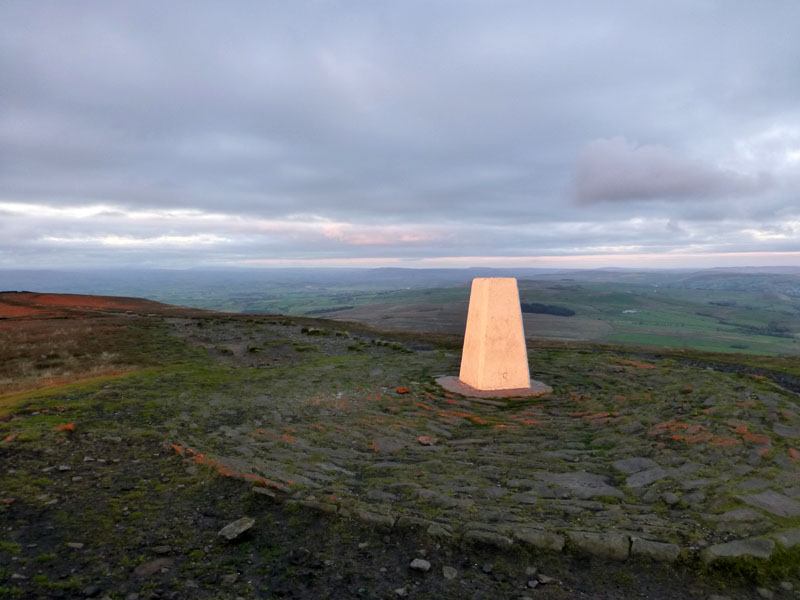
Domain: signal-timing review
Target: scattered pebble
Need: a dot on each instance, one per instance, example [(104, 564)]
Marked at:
[(449, 573), (152, 567), (75, 545), (420, 564), (91, 591), (233, 530)]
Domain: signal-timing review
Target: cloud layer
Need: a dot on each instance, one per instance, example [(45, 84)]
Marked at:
[(254, 133)]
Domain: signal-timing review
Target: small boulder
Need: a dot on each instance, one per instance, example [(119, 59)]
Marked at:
[(420, 564), (231, 531)]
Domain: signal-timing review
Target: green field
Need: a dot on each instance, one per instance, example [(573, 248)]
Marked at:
[(746, 322)]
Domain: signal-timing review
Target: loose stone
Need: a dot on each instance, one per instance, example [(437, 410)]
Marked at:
[(658, 551), (788, 539), (646, 477), (604, 545), (755, 547), (773, 502), (634, 465), (152, 567), (233, 530), (420, 564), (449, 573), (539, 538), (487, 538)]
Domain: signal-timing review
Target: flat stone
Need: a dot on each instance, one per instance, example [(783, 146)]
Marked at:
[(670, 498), (488, 538), (754, 484), (380, 496), (583, 485), (773, 502), (788, 539), (455, 385), (541, 539), (233, 530), (790, 431), (449, 573), (754, 547), (658, 551), (646, 477), (439, 499), (738, 515), (152, 567), (388, 445), (634, 465), (604, 545), (371, 518)]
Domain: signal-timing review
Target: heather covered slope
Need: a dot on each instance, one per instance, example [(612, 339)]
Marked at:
[(632, 477)]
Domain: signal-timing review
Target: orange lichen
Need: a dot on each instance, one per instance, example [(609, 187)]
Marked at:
[(756, 438), (289, 438), (723, 441), (421, 405), (794, 455), (746, 403), (453, 413), (11, 437), (634, 363), (402, 390), (314, 425), (66, 427)]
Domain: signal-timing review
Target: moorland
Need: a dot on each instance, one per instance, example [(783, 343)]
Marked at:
[(132, 433)]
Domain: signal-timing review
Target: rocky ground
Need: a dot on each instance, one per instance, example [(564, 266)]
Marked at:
[(351, 474)]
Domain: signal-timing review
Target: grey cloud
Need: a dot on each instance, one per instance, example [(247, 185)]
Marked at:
[(466, 115), (616, 169)]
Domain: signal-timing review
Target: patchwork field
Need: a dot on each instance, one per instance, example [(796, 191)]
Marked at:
[(715, 321)]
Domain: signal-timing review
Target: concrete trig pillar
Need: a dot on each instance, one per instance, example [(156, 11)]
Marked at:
[(494, 361), (494, 355)]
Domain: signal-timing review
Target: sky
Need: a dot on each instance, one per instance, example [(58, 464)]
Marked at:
[(399, 133)]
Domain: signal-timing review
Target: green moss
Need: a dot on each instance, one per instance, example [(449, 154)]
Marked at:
[(9, 547), (44, 558)]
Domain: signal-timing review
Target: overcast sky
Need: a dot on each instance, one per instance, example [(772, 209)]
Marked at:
[(400, 133)]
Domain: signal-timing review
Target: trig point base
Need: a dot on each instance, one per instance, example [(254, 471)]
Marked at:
[(494, 361)]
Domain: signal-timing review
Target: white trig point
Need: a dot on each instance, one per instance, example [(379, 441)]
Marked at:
[(494, 361)]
